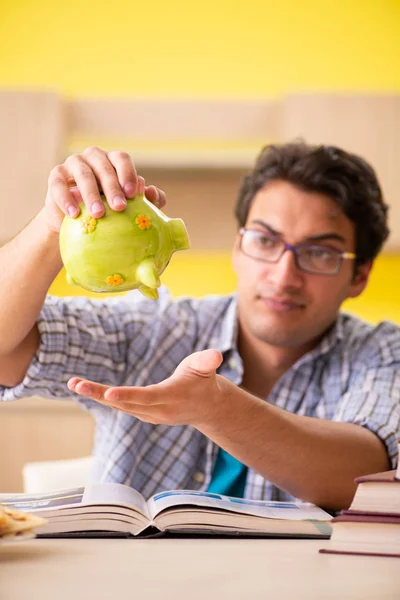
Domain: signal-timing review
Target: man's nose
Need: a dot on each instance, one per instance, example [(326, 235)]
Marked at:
[(285, 273)]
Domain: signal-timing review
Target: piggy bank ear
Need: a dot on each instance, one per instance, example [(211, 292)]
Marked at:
[(179, 234)]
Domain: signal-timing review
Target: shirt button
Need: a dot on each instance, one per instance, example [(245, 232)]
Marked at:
[(232, 363), (199, 477)]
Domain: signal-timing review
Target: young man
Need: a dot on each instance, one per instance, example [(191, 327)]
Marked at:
[(268, 393)]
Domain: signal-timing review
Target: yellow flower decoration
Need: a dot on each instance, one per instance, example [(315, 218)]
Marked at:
[(88, 225), (143, 222), (114, 279)]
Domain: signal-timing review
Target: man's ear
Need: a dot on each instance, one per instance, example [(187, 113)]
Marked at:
[(360, 280)]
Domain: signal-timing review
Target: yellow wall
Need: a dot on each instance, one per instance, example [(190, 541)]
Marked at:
[(213, 48), (201, 273)]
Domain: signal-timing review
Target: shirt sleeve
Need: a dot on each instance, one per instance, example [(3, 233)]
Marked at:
[(85, 338), (373, 396)]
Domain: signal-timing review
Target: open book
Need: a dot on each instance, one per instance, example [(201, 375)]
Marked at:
[(113, 509)]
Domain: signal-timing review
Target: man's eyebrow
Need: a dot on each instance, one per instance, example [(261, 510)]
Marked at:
[(326, 236), (321, 237), (265, 226)]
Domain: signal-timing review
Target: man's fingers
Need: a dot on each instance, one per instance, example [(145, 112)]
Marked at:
[(114, 173), (126, 172), (77, 196), (60, 192), (140, 396), (129, 399), (140, 185), (107, 178), (72, 383), (83, 177), (156, 196), (84, 387)]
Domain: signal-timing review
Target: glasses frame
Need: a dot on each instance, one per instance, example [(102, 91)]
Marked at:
[(295, 248)]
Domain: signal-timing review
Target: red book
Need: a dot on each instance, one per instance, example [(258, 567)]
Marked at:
[(377, 535), (377, 493), (387, 476)]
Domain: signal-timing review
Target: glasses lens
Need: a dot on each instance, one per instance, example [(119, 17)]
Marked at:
[(319, 259), (261, 245)]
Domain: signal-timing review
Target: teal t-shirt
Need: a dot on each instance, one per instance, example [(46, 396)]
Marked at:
[(229, 476)]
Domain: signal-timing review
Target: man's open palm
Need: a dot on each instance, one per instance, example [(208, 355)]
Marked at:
[(189, 397)]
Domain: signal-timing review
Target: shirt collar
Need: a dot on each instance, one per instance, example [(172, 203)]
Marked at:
[(332, 337), (228, 337)]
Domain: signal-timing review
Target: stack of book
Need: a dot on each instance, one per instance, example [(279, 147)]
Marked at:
[(372, 523)]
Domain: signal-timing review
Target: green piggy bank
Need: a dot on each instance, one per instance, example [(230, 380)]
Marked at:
[(122, 250)]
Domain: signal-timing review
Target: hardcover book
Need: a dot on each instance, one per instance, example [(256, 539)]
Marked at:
[(365, 534), (377, 493)]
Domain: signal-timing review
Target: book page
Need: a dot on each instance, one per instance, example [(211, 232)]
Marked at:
[(98, 494), (263, 508), (44, 501), (114, 493)]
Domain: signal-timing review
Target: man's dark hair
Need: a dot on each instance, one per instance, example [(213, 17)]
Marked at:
[(347, 178)]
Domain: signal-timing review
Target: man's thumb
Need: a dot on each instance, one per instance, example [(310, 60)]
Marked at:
[(203, 363)]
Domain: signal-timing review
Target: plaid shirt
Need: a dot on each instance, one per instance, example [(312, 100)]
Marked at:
[(353, 375)]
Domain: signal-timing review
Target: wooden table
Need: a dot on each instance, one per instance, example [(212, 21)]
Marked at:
[(166, 569)]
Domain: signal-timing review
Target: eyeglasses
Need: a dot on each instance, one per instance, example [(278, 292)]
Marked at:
[(310, 258)]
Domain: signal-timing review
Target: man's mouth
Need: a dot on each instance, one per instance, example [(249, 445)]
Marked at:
[(281, 305)]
